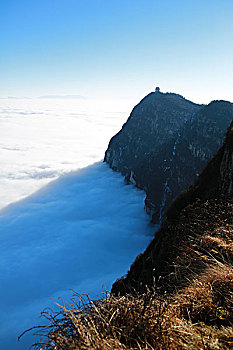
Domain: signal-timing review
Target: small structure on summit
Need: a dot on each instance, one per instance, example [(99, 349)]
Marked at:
[(157, 89)]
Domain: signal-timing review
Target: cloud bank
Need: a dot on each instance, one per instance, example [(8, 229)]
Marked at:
[(79, 232)]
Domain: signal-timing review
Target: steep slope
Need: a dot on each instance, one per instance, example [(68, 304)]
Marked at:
[(165, 144), (199, 224), (186, 156)]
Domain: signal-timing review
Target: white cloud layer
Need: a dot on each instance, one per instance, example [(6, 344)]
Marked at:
[(80, 231), (41, 139)]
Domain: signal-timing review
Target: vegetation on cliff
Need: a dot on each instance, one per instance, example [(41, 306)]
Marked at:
[(198, 317)]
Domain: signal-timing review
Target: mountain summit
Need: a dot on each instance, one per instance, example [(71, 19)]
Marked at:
[(165, 143)]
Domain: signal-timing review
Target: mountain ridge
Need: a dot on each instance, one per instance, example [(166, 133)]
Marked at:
[(165, 143)]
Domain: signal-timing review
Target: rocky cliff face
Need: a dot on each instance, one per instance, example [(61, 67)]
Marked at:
[(198, 224), (165, 144)]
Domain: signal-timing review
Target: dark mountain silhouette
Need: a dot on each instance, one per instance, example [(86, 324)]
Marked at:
[(165, 144)]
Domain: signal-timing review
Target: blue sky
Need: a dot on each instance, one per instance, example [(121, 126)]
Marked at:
[(117, 48)]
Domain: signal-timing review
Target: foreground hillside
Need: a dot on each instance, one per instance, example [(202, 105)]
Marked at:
[(178, 294)]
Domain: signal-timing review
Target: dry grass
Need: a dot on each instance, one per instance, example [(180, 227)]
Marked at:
[(198, 317)]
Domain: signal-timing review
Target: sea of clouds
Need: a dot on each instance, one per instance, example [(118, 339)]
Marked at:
[(80, 231), (41, 139)]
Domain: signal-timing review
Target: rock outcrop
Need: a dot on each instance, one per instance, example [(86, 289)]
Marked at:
[(197, 230), (165, 143)]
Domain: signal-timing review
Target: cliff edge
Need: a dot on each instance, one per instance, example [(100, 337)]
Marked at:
[(165, 144)]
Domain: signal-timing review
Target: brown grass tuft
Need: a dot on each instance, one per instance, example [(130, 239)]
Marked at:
[(198, 317)]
